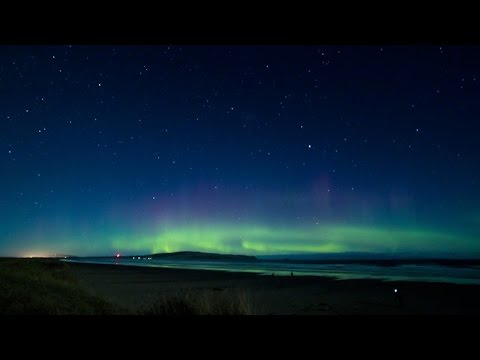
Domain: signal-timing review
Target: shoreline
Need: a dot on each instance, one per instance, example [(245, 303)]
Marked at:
[(332, 273), (134, 286)]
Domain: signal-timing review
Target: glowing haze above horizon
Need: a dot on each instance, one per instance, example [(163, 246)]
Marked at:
[(252, 150)]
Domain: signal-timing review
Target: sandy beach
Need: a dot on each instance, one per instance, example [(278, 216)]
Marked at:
[(134, 287)]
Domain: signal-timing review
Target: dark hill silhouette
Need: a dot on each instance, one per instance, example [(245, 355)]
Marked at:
[(195, 255)]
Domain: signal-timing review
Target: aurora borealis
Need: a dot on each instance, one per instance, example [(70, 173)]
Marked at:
[(256, 150)]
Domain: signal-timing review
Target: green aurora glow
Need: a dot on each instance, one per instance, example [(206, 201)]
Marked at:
[(258, 150), (254, 239)]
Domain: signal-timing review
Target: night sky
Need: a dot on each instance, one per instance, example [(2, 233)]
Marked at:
[(239, 149)]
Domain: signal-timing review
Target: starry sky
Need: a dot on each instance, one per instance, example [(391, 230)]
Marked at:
[(239, 149)]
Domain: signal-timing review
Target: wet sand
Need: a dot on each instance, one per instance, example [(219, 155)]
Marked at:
[(280, 295)]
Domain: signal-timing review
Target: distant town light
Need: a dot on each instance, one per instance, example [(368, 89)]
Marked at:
[(117, 256), (395, 290)]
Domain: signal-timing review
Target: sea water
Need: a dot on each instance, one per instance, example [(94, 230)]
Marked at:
[(430, 273)]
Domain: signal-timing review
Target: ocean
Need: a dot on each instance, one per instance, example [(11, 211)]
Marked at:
[(404, 272)]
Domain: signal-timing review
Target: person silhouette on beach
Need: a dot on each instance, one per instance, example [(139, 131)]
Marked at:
[(398, 298), (291, 273)]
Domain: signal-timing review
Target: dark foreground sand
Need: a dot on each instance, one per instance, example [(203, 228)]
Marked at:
[(136, 286)]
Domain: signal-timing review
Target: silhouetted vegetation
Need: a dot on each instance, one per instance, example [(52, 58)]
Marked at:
[(204, 303), (46, 287)]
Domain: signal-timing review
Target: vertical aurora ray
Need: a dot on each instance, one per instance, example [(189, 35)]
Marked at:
[(251, 149)]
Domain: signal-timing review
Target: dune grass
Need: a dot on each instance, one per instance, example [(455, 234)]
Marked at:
[(48, 287), (200, 303)]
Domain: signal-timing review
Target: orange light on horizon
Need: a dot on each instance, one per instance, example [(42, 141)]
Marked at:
[(35, 255)]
